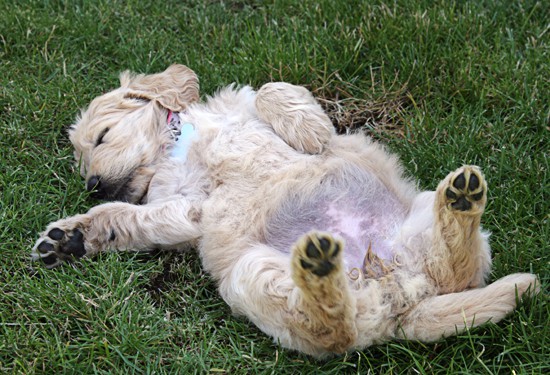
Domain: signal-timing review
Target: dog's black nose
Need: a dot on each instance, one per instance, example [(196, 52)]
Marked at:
[(94, 186), (93, 183)]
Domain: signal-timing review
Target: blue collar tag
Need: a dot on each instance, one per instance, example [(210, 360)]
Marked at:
[(181, 147)]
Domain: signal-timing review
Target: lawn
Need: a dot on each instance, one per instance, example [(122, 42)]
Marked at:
[(442, 83)]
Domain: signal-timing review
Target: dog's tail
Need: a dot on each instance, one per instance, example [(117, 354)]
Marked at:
[(449, 314)]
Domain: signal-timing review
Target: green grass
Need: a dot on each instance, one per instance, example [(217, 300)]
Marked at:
[(451, 82)]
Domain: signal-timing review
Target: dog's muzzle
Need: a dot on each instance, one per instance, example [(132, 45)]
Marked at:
[(107, 190)]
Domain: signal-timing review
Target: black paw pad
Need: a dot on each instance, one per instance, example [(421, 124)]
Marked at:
[(477, 196), (461, 204), (450, 194), (45, 247), (50, 260), (56, 234), (312, 251), (473, 183), (75, 244), (460, 182), (323, 268), (324, 244)]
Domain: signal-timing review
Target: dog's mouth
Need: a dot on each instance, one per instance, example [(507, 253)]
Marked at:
[(131, 189)]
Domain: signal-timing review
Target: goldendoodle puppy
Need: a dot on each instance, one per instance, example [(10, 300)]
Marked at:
[(317, 238)]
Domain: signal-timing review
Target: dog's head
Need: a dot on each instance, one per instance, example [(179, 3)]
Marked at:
[(122, 135)]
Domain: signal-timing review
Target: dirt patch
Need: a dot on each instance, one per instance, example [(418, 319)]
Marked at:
[(378, 118), (163, 281), (378, 110)]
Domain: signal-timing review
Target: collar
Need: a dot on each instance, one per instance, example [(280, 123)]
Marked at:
[(173, 123), (183, 135)]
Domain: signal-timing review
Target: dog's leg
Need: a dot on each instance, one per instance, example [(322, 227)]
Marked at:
[(317, 270), (308, 307), (120, 226), (295, 116), (448, 314), (459, 257)]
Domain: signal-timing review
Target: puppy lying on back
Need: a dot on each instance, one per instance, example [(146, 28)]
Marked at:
[(316, 237)]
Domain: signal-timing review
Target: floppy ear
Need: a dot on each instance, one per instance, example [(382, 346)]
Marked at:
[(174, 89)]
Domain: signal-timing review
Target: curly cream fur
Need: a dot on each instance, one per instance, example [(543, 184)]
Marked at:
[(261, 160)]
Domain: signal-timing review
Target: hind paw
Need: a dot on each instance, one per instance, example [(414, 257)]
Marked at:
[(318, 252), (466, 189)]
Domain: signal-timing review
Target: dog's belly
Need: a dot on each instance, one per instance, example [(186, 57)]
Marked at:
[(363, 212)]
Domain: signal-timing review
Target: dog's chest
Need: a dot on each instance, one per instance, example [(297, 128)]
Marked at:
[(249, 153)]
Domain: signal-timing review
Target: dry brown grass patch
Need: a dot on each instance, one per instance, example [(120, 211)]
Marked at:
[(380, 116)]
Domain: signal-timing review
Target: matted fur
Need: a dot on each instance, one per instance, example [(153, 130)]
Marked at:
[(317, 238)]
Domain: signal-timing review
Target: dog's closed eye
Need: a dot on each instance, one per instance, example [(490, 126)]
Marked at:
[(137, 96), (100, 137)]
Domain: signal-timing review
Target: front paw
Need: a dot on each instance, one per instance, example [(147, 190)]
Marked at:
[(295, 116), (62, 241)]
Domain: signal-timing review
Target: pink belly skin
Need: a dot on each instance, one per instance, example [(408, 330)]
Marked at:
[(363, 215)]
